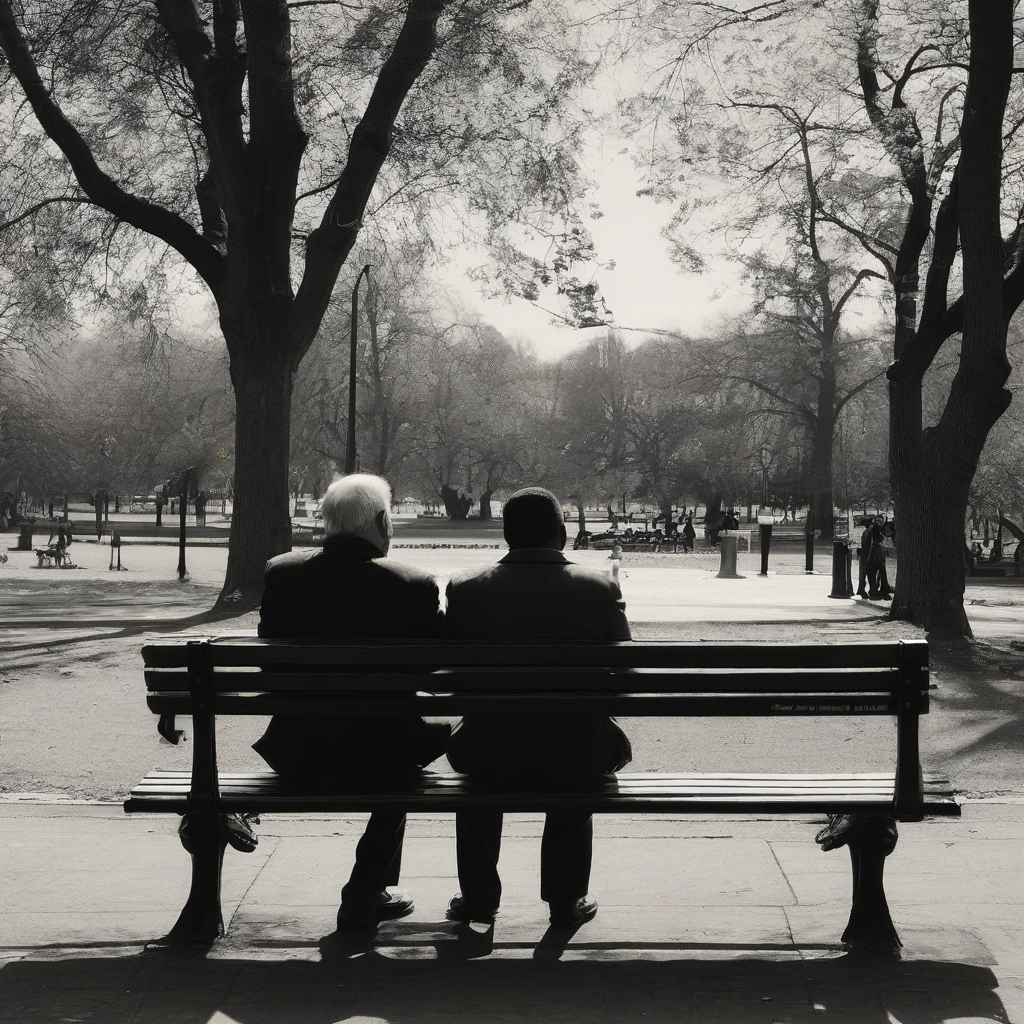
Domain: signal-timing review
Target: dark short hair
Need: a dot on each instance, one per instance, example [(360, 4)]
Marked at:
[(532, 517)]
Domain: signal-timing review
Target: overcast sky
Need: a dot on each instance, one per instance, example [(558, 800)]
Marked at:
[(645, 290)]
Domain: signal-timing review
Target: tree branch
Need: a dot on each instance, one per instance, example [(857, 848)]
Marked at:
[(873, 246), (95, 183), (217, 71), (853, 392), (862, 275), (35, 208), (330, 243)]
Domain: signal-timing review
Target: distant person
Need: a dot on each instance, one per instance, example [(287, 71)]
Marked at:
[(349, 589), (729, 520), (689, 534), (533, 593), (862, 560), (878, 584)]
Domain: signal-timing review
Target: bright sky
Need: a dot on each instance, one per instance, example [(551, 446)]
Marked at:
[(645, 290)]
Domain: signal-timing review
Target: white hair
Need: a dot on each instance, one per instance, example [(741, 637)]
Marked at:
[(352, 504)]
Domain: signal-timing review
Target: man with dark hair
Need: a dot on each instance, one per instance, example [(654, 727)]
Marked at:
[(349, 589), (533, 593)]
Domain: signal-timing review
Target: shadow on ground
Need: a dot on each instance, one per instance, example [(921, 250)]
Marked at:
[(179, 989), (981, 685)]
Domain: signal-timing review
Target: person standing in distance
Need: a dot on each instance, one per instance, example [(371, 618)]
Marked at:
[(350, 590)]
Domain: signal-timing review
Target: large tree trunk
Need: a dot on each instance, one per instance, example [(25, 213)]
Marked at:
[(456, 505), (930, 546), (823, 441), (485, 504), (261, 524), (932, 470)]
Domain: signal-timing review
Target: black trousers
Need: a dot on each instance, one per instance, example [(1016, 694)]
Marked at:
[(566, 852), (343, 754), (378, 855), (535, 752)]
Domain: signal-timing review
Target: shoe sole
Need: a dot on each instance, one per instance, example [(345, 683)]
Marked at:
[(384, 914), (560, 922), (463, 917)]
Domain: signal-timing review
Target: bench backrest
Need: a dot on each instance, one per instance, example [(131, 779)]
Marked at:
[(243, 675)]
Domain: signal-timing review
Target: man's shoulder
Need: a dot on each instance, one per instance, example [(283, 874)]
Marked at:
[(475, 573), (403, 571), (290, 560), (317, 560), (503, 573)]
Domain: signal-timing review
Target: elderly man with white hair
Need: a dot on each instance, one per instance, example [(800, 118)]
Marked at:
[(349, 589)]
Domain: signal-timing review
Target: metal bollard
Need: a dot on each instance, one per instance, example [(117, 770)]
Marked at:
[(727, 567), (840, 569), (766, 543)]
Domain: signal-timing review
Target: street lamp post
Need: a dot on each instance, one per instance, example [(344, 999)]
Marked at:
[(186, 484), (350, 444)]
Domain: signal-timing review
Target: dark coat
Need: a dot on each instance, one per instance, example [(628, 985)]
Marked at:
[(536, 594), (347, 591)]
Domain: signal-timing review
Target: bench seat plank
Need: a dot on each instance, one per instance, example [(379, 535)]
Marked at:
[(627, 705), (731, 656), (167, 791), (540, 679)]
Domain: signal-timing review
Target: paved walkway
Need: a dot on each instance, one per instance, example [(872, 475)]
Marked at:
[(702, 920)]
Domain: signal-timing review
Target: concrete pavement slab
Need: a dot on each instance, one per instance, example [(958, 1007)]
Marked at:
[(707, 919)]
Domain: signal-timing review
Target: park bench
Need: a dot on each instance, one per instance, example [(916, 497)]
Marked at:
[(211, 678)]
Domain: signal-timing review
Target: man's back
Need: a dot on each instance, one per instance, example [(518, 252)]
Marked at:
[(537, 594), (347, 591)]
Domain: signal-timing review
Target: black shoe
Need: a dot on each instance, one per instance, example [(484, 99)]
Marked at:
[(574, 912), (460, 910), (358, 912)]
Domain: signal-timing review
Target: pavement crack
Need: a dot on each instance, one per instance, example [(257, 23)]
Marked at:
[(782, 870), (249, 887)]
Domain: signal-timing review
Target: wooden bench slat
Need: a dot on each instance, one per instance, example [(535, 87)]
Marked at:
[(643, 793), (625, 706), (235, 651), (871, 680), (668, 777)]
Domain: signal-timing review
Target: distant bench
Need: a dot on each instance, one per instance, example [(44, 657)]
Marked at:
[(210, 678)]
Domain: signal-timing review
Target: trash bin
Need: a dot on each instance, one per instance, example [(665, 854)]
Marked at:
[(727, 567)]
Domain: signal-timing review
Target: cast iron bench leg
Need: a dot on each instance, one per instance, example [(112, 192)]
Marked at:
[(204, 837), (871, 838)]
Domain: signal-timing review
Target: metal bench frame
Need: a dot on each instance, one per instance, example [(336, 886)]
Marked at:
[(207, 678)]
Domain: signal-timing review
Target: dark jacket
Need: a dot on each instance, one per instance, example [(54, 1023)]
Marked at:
[(536, 594), (347, 591)]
